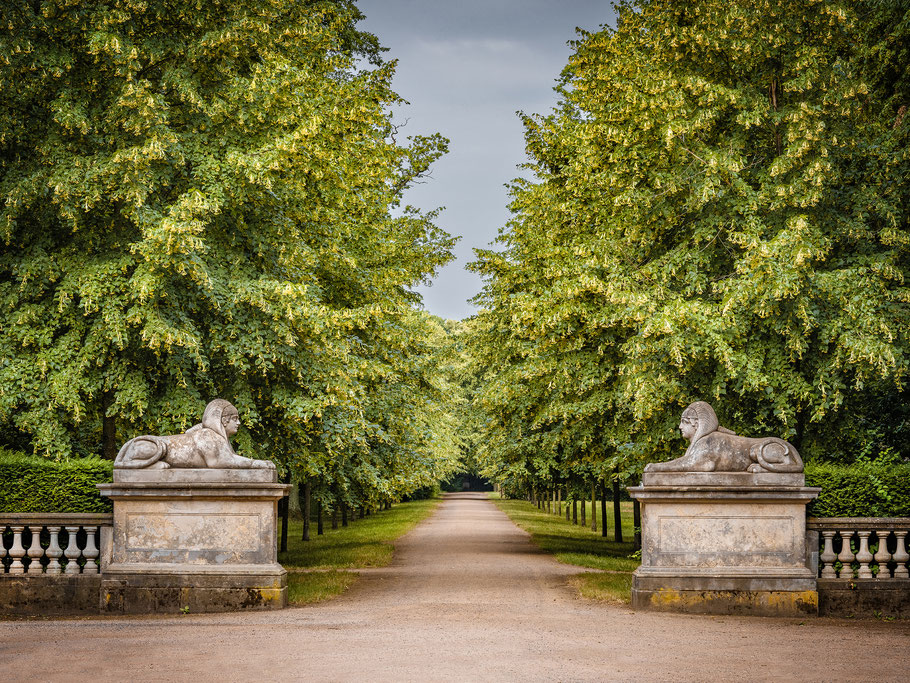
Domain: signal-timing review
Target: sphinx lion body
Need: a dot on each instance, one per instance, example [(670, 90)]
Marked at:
[(726, 452)]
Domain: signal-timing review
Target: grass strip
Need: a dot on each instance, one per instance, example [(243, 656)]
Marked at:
[(366, 542), (578, 545), (306, 588)]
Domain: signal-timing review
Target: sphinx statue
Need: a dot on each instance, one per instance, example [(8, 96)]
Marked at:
[(204, 445), (713, 448)]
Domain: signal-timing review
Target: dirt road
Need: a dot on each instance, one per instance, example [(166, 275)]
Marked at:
[(467, 598)]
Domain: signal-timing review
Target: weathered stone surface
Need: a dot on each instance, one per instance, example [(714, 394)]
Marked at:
[(49, 594), (713, 448), (711, 545), (196, 475), (144, 593), (722, 479), (199, 538), (739, 602), (864, 597)]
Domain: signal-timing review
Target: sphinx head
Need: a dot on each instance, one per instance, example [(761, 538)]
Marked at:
[(698, 420), (221, 417)]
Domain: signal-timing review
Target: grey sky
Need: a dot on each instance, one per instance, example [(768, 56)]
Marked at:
[(466, 67)]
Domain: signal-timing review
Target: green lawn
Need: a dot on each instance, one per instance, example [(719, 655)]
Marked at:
[(574, 544), (313, 566)]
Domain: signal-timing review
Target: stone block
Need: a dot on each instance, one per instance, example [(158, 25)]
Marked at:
[(49, 594), (725, 543), (148, 592), (864, 597), (198, 538)]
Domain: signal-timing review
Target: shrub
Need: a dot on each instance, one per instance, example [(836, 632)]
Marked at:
[(863, 489), (35, 484)]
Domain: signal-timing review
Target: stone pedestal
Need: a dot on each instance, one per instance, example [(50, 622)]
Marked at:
[(197, 540), (725, 543)]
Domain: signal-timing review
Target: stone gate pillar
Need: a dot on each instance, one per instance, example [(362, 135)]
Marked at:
[(725, 543), (202, 539)]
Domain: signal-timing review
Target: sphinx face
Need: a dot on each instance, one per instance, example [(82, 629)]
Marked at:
[(688, 427), (231, 422)]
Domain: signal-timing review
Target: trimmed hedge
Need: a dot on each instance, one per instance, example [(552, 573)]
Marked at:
[(35, 484), (865, 489)]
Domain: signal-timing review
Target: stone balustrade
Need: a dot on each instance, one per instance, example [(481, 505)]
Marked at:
[(862, 547), (49, 544)]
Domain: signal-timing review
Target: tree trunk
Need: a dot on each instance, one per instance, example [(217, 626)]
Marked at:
[(617, 513), (603, 511), (636, 520), (574, 511), (335, 516), (559, 501), (307, 508), (568, 510), (284, 509), (319, 527), (344, 515), (283, 517), (594, 505), (584, 508), (108, 428)]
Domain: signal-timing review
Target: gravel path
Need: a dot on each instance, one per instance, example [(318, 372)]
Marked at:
[(467, 598)]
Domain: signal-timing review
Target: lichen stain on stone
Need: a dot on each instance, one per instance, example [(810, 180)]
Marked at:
[(737, 602), (803, 601), (254, 598)]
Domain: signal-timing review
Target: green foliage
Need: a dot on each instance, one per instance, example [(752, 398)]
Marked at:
[(32, 484), (204, 199), (717, 209), (863, 489)]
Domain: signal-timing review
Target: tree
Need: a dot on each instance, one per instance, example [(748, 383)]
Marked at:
[(716, 211), (202, 199)]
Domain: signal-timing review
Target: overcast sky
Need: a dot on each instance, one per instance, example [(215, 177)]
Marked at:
[(466, 67)]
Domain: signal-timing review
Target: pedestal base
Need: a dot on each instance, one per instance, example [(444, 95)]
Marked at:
[(155, 592), (193, 541), (726, 543), (743, 603)]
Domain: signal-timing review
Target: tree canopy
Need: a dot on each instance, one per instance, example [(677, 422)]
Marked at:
[(204, 199), (717, 209)]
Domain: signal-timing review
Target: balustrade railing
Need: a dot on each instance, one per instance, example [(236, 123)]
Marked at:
[(52, 543), (862, 547)]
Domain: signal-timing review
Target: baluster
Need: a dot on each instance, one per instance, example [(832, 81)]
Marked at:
[(863, 556), (882, 555), (34, 551), (54, 551), (827, 556), (17, 551), (846, 555), (90, 552), (72, 551), (901, 556)]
